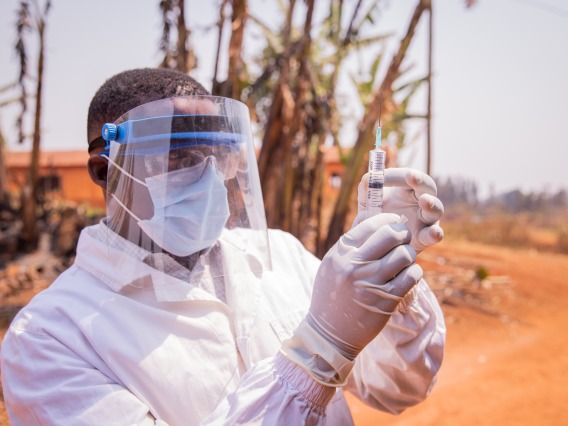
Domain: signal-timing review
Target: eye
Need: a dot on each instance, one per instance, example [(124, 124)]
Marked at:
[(191, 158), (177, 154)]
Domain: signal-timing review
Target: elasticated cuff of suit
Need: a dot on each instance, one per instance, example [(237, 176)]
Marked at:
[(317, 356)]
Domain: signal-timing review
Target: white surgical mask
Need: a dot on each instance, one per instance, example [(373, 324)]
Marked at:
[(190, 208)]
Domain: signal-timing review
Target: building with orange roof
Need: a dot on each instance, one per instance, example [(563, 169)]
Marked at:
[(63, 175)]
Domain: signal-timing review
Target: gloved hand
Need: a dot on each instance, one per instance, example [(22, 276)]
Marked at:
[(360, 282), (409, 193), (357, 288)]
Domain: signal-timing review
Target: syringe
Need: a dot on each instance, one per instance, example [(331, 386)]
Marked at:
[(377, 160)]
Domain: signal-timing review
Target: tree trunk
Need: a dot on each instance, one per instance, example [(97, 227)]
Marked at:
[(311, 221), (28, 211), (276, 133), (183, 62), (297, 135), (34, 166), (3, 176), (236, 64), (364, 142), (30, 226), (217, 85), (232, 87)]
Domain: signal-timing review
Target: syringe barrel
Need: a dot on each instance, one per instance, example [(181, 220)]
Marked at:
[(377, 160)]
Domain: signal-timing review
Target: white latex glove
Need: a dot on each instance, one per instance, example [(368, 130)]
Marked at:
[(357, 288), (360, 282), (410, 193)]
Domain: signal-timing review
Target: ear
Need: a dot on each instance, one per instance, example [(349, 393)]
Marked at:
[(98, 167)]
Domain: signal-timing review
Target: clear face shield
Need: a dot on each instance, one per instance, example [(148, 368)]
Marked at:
[(182, 184)]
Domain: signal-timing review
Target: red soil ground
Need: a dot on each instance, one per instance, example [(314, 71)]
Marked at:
[(507, 365)]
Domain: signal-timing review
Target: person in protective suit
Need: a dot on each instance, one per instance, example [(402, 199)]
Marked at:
[(182, 308)]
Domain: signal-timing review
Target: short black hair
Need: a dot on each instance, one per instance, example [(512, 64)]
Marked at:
[(129, 89)]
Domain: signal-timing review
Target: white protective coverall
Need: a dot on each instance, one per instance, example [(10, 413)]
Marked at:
[(105, 348)]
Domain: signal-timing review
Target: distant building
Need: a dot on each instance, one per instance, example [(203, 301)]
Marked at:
[(63, 175)]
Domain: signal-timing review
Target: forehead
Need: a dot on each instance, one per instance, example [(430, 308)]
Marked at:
[(175, 106), (195, 106)]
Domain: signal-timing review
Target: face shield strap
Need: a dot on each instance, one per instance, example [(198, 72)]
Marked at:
[(187, 140), (149, 134)]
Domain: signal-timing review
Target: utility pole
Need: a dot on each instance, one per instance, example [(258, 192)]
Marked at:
[(429, 112)]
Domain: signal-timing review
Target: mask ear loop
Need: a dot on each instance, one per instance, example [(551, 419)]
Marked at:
[(131, 177), (124, 171), (125, 208)]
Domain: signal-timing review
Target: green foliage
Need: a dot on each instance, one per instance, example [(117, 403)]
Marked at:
[(544, 231), (481, 273), (366, 85), (332, 45), (501, 229), (535, 220), (394, 126)]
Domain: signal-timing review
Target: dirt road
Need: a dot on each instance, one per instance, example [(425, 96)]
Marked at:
[(507, 364), (506, 359)]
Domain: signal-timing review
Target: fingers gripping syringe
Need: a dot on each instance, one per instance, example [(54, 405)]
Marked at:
[(377, 160)]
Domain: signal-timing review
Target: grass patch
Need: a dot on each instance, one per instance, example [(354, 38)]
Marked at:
[(542, 231)]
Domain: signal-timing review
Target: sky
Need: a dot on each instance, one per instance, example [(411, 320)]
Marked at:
[(500, 85)]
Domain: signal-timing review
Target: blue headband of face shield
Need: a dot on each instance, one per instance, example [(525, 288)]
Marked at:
[(207, 130)]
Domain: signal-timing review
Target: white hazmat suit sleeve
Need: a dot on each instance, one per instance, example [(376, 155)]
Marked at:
[(394, 371), (398, 367)]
